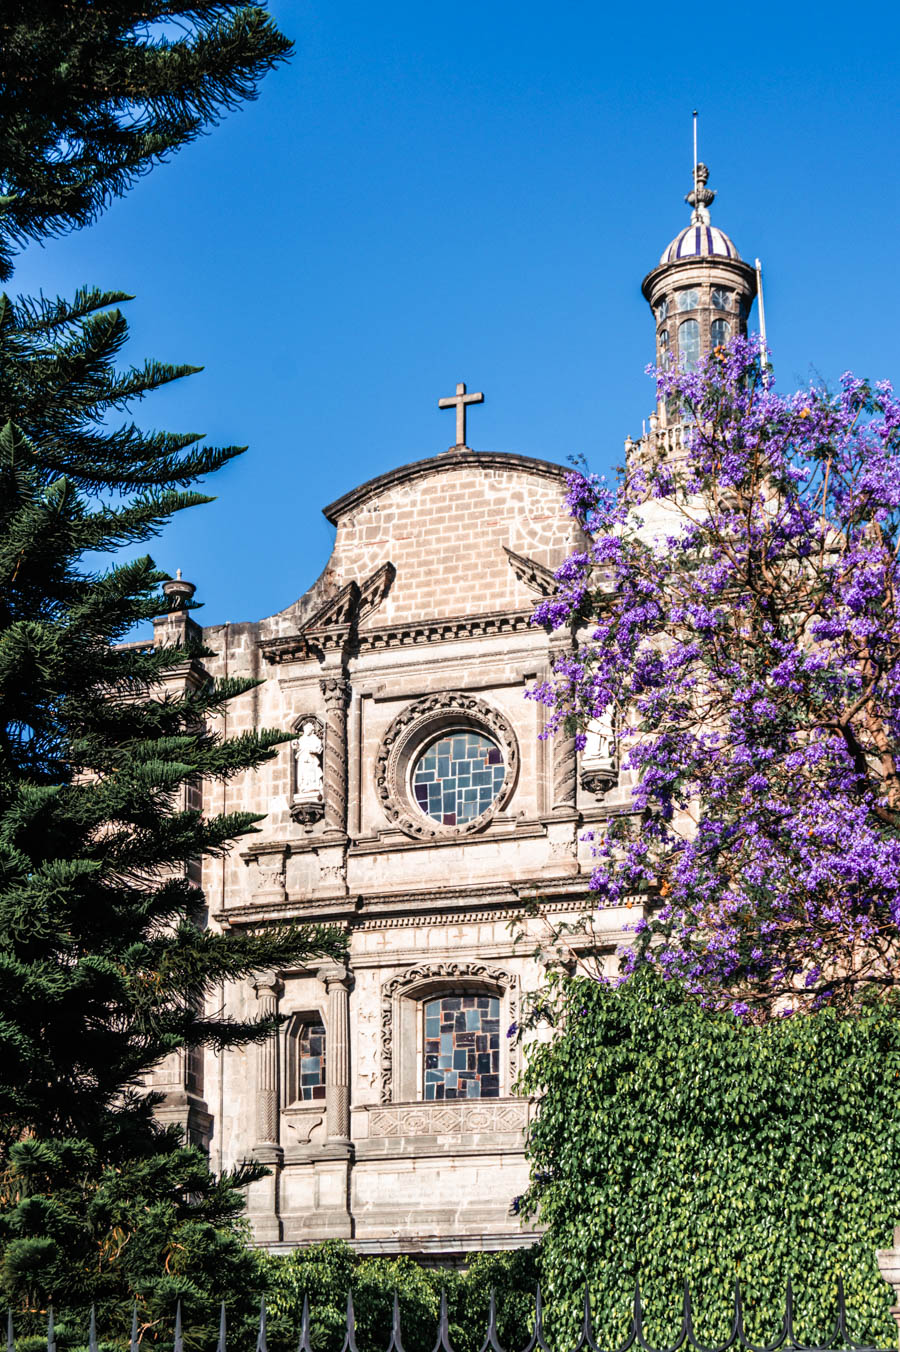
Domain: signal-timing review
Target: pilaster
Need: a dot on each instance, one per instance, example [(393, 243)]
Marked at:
[(263, 1200)]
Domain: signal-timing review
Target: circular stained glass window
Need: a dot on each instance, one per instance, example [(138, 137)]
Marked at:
[(457, 777)]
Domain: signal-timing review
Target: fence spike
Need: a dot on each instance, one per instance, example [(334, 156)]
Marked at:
[(134, 1329), (841, 1311), (789, 1315), (491, 1343), (179, 1339), (396, 1343), (261, 1335), (220, 1346), (587, 1326), (303, 1342), (443, 1343), (92, 1331), (350, 1336), (10, 1338), (51, 1335), (687, 1315)]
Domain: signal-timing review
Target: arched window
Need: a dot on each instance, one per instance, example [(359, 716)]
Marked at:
[(662, 309), (304, 1064), (664, 353), (462, 1047), (689, 343), (719, 332)]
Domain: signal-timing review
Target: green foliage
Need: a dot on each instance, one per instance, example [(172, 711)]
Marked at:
[(92, 94), (325, 1273), (672, 1144), (104, 969)]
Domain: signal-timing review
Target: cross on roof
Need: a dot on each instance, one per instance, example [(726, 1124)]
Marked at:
[(459, 402)]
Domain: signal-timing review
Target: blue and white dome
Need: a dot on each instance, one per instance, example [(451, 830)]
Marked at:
[(700, 240)]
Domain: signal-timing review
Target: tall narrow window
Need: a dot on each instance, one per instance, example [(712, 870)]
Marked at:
[(719, 332), (689, 343), (311, 1058), (664, 354), (462, 1047)]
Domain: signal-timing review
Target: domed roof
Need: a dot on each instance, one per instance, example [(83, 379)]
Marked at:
[(700, 241)]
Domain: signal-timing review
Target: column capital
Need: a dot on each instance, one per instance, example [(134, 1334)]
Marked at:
[(335, 974), (268, 983), (336, 689)]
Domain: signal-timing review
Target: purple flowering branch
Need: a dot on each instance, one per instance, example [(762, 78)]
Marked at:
[(738, 604)]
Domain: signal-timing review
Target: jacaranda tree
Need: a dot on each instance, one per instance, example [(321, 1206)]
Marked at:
[(738, 604)]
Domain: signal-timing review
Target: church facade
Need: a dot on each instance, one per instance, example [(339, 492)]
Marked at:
[(417, 807)]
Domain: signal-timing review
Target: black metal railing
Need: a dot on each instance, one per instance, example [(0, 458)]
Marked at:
[(586, 1341)]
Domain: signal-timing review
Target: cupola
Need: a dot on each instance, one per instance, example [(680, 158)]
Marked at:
[(701, 291)]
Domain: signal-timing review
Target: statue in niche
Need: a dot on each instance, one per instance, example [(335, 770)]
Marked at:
[(599, 759), (307, 749)]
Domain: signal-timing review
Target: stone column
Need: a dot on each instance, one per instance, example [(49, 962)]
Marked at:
[(564, 754), (268, 989), (336, 690), (263, 1199), (337, 1052)]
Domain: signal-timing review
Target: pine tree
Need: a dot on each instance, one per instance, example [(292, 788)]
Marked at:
[(103, 970), (95, 92)]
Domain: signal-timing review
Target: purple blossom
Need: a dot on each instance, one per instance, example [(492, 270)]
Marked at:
[(754, 654)]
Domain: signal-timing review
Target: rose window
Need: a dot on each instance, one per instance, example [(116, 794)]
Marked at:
[(457, 777)]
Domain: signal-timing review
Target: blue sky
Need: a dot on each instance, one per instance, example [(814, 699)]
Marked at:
[(431, 193)]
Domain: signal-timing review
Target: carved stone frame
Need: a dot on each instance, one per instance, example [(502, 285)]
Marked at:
[(418, 724), (401, 1000), (307, 813)]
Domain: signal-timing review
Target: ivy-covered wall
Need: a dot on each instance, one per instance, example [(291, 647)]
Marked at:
[(675, 1144)]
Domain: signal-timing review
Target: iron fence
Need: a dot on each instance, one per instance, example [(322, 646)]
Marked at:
[(586, 1341)]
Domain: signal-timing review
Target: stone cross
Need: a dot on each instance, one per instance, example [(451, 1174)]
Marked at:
[(459, 402)]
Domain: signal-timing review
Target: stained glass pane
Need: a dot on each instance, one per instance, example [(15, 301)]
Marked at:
[(458, 777), (462, 1047), (311, 1053)]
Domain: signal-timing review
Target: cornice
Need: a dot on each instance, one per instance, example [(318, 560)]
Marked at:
[(440, 464)]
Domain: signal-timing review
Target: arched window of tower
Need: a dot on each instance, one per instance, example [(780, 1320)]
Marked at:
[(719, 332), (689, 343)]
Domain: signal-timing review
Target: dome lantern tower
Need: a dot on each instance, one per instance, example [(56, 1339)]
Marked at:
[(701, 291)]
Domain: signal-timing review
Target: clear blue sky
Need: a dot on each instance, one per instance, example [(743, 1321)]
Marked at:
[(431, 193)]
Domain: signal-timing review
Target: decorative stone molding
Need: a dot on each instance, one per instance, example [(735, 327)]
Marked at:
[(417, 981), (337, 981), (531, 573), (419, 723), (334, 624), (463, 1118), (307, 797), (267, 859), (413, 634)]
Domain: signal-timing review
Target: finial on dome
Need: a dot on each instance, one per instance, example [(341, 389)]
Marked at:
[(701, 198)]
